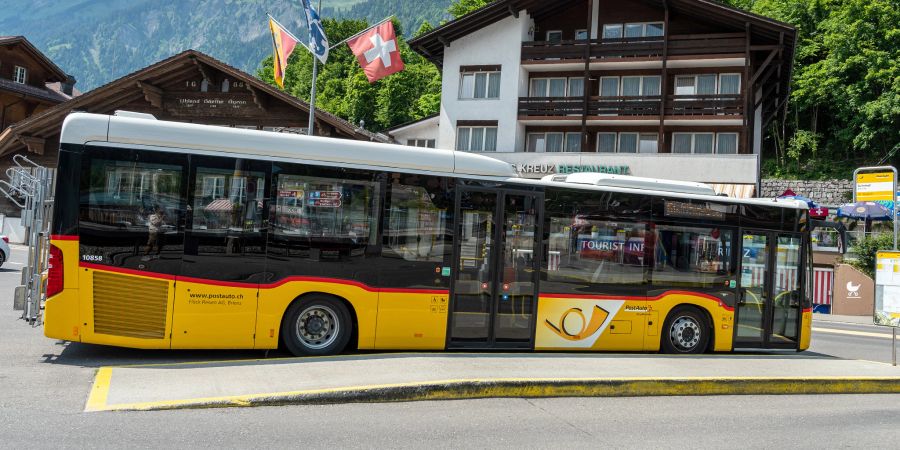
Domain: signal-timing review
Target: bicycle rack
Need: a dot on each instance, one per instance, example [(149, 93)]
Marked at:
[(28, 186)]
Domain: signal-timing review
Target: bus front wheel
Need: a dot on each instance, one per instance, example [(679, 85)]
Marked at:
[(317, 325), (686, 331)]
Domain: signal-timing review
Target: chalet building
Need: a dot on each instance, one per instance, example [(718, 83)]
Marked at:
[(29, 81), (188, 87), (678, 89)]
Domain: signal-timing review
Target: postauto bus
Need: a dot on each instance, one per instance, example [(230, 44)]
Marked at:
[(174, 235)]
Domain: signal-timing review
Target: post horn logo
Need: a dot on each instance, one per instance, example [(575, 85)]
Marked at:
[(587, 328)]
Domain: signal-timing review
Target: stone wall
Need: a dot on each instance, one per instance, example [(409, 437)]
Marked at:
[(827, 192)]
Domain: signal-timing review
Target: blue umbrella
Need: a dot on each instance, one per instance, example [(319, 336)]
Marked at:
[(865, 211)]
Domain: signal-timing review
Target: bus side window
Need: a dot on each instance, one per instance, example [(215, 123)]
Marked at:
[(131, 212), (418, 236), (596, 244), (321, 225), (226, 237)]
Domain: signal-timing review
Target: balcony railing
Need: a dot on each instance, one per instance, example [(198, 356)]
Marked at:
[(694, 105), (624, 106), (596, 49), (704, 105)]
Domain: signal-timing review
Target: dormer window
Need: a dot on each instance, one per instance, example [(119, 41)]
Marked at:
[(20, 75)]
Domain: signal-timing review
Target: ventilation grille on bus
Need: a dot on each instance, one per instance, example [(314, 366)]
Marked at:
[(130, 306)]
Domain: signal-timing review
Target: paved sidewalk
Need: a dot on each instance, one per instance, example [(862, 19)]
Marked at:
[(861, 320), (422, 376)]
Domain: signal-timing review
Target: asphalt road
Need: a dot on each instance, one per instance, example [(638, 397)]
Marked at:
[(44, 385)]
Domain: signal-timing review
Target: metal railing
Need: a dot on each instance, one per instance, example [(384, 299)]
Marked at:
[(29, 187), (635, 47)]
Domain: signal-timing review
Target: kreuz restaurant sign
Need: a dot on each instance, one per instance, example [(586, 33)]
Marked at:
[(547, 169)]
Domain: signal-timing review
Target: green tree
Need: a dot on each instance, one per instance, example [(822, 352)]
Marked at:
[(344, 90), (460, 8), (866, 250), (844, 109)]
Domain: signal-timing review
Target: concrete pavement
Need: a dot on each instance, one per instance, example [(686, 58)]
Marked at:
[(427, 376)]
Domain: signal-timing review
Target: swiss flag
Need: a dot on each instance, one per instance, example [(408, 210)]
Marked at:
[(377, 51)]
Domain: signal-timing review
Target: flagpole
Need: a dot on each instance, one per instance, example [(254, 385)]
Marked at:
[(312, 90)]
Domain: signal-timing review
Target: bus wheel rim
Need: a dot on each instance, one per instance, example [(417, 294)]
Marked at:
[(317, 327), (685, 333)]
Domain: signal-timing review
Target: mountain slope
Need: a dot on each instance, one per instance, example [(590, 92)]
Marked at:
[(98, 41)]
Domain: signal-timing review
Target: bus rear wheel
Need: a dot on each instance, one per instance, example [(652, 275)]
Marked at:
[(317, 325), (686, 331)]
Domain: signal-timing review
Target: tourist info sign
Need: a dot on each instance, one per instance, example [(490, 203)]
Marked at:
[(875, 186), (887, 289)]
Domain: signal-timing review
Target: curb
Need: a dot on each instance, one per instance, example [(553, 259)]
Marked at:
[(518, 388)]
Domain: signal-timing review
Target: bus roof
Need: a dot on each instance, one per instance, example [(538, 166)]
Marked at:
[(129, 129), (134, 130)]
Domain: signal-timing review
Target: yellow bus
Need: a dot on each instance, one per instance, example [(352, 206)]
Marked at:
[(172, 235)]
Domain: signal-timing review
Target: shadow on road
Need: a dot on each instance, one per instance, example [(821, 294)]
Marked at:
[(91, 355)]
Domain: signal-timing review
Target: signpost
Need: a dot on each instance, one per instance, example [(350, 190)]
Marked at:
[(872, 184), (887, 294)]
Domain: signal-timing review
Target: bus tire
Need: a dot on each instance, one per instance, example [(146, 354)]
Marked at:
[(686, 331), (317, 325)]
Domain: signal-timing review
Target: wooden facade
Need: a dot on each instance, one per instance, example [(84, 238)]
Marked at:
[(29, 81)]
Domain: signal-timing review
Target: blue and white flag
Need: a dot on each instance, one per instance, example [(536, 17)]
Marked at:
[(318, 42)]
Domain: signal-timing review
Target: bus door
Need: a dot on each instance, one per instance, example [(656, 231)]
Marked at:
[(496, 268), (770, 291)]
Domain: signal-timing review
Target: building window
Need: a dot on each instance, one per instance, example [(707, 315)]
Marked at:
[(633, 30), (699, 143), (20, 75), (649, 143), (427, 143), (726, 143), (709, 84), (730, 83), (631, 86), (581, 35), (476, 139), (608, 142), (479, 85), (557, 87), (628, 142), (612, 31), (554, 142), (554, 36)]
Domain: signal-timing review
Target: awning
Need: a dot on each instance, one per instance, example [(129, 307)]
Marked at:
[(221, 205), (735, 190)]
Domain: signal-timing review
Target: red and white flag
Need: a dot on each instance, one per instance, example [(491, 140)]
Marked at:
[(377, 51)]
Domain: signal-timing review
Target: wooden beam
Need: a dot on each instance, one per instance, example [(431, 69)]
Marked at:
[(258, 98), (664, 82), (204, 72), (586, 80), (33, 144), (444, 41), (512, 11), (763, 67), (152, 94)]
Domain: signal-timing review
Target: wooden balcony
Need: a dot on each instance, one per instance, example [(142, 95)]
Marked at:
[(629, 106), (705, 105), (646, 47)]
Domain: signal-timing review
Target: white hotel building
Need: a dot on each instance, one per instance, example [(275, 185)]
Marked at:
[(652, 88)]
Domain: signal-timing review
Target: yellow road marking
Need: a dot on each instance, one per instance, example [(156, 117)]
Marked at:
[(100, 390), (852, 333)]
